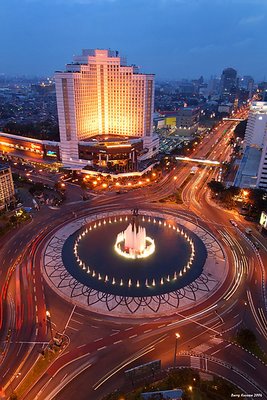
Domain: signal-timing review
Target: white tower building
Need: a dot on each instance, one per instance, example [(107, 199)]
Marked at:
[(262, 172), (256, 130), (253, 167)]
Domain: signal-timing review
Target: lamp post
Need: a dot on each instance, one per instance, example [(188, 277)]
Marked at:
[(244, 312), (49, 323), (177, 336)]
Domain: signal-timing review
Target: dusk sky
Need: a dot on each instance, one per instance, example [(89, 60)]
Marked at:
[(171, 38)]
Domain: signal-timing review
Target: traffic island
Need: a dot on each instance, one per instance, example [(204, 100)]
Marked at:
[(46, 358)]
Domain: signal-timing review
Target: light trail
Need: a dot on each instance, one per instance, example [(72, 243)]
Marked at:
[(238, 264), (261, 326), (139, 354), (198, 160)]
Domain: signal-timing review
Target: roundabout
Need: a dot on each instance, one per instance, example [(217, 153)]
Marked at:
[(122, 263)]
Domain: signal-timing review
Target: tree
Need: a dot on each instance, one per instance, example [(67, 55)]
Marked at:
[(258, 200), (216, 187)]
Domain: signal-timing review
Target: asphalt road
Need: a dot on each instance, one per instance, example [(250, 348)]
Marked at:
[(101, 348)]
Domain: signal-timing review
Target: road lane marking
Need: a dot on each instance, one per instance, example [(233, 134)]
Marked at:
[(128, 329), (21, 344), (6, 372), (102, 348), (118, 341), (148, 330), (81, 315), (82, 345), (252, 366), (97, 340), (70, 327), (133, 336), (78, 322)]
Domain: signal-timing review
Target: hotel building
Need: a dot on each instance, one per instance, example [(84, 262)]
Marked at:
[(105, 111), (7, 190)]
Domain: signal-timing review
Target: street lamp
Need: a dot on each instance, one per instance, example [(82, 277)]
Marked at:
[(49, 323), (177, 336)]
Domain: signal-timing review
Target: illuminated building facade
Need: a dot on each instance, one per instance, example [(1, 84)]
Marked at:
[(7, 190), (29, 148), (104, 105)]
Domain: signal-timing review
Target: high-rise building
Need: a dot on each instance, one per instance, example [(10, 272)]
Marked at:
[(256, 130), (252, 171), (7, 190), (228, 84), (262, 171), (105, 105), (247, 83)]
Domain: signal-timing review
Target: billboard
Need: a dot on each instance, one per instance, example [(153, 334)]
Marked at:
[(170, 121), (263, 219)]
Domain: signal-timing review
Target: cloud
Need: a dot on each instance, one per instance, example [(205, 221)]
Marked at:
[(251, 20)]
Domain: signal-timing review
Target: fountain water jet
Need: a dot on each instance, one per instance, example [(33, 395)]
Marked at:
[(133, 242)]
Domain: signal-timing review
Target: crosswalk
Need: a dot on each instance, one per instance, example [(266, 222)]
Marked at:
[(195, 362), (204, 347)]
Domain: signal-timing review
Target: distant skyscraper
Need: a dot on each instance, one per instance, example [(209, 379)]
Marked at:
[(228, 84), (7, 191), (99, 96), (247, 82)]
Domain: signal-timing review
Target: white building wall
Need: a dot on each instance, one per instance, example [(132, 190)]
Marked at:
[(256, 130), (262, 172)]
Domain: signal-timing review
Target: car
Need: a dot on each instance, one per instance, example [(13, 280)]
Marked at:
[(233, 222), (256, 244)]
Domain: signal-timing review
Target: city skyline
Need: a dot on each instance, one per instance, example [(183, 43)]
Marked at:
[(173, 39)]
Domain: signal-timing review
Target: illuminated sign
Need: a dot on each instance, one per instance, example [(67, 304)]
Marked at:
[(36, 146), (171, 121), (51, 153), (263, 220)]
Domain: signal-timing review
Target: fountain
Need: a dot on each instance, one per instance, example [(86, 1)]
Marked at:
[(133, 242)]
